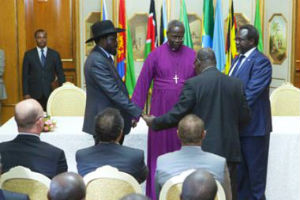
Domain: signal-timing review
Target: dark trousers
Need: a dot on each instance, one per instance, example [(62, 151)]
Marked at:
[(232, 167), (252, 172), (43, 101)]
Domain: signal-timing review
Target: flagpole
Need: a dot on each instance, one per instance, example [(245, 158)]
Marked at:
[(101, 10)]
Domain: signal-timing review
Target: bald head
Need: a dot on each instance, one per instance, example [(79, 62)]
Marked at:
[(27, 114), (135, 197), (205, 58), (191, 130), (200, 185), (174, 23), (67, 186)]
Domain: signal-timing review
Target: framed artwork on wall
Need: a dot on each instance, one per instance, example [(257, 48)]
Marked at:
[(196, 30), (277, 35), (138, 28)]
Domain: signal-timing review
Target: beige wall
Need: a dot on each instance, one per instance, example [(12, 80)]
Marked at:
[(281, 72)]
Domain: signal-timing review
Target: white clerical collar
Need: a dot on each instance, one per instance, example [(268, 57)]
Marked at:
[(31, 134)]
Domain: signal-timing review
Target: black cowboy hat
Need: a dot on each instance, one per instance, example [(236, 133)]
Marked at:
[(101, 28)]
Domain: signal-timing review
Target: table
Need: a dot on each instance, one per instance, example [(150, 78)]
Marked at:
[(283, 178), (69, 137)]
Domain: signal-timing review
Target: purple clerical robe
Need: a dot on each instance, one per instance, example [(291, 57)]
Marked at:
[(168, 70)]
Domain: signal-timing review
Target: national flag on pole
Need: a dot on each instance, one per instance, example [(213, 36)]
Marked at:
[(103, 10), (130, 80), (231, 51), (218, 38), (207, 23), (121, 56), (163, 23), (151, 40), (257, 24), (187, 40)]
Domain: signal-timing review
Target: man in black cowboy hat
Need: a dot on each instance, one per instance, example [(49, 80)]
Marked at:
[(104, 86)]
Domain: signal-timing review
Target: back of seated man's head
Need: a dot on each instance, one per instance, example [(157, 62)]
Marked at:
[(109, 126), (67, 186), (29, 116), (191, 130), (200, 185), (135, 196)]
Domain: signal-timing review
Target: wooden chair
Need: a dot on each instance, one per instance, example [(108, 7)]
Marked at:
[(285, 101), (108, 183), (23, 180), (67, 100), (171, 190)]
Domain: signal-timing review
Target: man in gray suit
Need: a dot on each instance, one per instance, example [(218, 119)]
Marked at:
[(104, 87), (191, 156), (2, 86)]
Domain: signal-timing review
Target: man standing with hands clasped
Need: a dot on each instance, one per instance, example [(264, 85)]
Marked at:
[(255, 71), (41, 66)]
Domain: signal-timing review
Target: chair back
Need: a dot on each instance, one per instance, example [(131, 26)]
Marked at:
[(23, 180), (285, 101), (67, 100), (108, 183), (171, 190)]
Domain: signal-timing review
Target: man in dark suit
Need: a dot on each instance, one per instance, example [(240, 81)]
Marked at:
[(41, 65), (27, 149), (104, 87), (217, 99), (7, 195), (107, 150), (255, 71)]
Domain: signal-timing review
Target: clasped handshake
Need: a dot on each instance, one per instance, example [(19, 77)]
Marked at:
[(148, 119)]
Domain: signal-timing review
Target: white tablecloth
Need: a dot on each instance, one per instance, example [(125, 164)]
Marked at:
[(283, 179), (69, 137)]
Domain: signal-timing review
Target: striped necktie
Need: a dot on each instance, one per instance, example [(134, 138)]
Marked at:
[(238, 65), (43, 58)]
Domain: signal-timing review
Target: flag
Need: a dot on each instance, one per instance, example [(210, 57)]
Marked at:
[(218, 38), (151, 40), (187, 39), (231, 51), (207, 23), (257, 24), (130, 73), (163, 23), (121, 41), (104, 11)]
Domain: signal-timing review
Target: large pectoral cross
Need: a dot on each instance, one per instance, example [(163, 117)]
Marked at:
[(176, 78)]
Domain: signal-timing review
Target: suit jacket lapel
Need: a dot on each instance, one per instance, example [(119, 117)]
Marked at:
[(111, 66), (247, 62)]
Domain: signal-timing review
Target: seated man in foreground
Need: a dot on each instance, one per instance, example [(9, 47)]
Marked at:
[(199, 185), (107, 150), (65, 186), (27, 149), (191, 156)]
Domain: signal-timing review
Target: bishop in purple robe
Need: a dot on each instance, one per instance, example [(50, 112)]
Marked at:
[(168, 66)]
